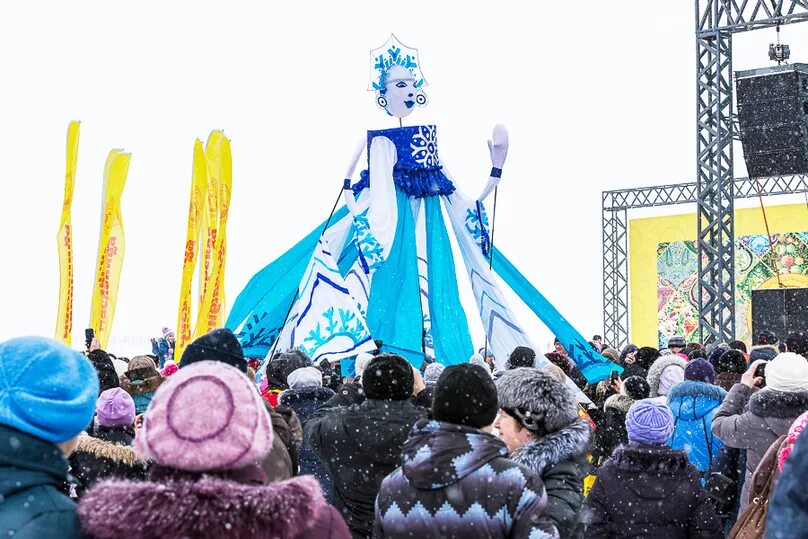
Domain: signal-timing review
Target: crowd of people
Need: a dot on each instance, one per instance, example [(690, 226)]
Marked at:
[(679, 442)]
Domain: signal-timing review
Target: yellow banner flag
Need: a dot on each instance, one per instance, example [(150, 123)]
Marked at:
[(211, 213), (111, 247), (64, 241), (199, 184), (211, 309)]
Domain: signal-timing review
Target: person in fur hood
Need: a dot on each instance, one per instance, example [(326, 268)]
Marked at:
[(539, 423), (648, 490), (693, 404), (753, 419), (206, 480), (107, 451), (611, 431), (666, 372), (141, 381)]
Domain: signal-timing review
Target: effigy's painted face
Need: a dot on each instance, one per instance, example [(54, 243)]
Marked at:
[(400, 94)]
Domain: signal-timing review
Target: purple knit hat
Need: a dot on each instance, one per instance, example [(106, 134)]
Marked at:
[(649, 422), (700, 370), (115, 408), (206, 417)]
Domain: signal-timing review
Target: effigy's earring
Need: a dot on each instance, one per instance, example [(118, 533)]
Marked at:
[(381, 101), (421, 100)]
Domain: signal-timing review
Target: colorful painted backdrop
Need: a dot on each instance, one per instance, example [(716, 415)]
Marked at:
[(677, 270), (663, 268)]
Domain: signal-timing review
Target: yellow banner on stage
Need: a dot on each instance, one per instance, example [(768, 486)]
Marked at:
[(111, 247), (199, 184), (64, 241), (220, 166)]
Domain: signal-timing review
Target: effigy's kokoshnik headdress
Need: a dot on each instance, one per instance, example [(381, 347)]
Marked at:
[(394, 53)]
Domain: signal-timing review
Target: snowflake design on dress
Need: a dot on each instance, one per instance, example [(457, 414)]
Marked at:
[(477, 226), (336, 323), (424, 147), (370, 250)]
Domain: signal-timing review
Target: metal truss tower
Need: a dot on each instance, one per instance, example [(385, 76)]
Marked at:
[(716, 22)]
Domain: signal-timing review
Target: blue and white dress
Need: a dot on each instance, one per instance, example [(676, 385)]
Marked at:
[(404, 246)]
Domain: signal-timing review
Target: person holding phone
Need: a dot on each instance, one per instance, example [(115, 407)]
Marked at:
[(752, 418)]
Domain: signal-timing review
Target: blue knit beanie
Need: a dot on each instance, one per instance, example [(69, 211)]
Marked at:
[(649, 422), (47, 390)]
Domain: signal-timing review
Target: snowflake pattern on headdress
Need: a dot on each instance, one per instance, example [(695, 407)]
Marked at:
[(393, 53)]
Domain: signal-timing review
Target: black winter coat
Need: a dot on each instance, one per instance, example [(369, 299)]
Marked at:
[(305, 401), (457, 482), (105, 454), (560, 460), (611, 431), (32, 502), (649, 492), (360, 445)]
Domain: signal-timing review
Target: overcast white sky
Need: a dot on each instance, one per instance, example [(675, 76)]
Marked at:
[(597, 97)]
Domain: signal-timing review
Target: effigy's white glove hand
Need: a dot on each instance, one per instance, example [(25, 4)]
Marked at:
[(498, 146)]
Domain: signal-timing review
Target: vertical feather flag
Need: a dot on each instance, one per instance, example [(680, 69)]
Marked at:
[(211, 212), (111, 247), (199, 186), (64, 241), (219, 167)]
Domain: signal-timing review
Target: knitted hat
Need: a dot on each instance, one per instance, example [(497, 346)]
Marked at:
[(477, 359), (555, 371), (433, 372), (522, 356), (715, 352), (635, 387), (766, 352), (649, 422), (362, 361), (700, 370), (47, 390), (305, 377), (787, 372), (541, 402), (388, 377), (167, 333), (465, 395), (731, 361), (611, 354), (738, 345), (646, 356), (677, 341), (218, 345), (279, 368), (169, 369), (115, 408), (797, 342), (794, 432), (696, 353), (107, 375), (767, 337), (207, 417)]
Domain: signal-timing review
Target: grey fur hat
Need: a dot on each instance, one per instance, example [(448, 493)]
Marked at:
[(541, 402)]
